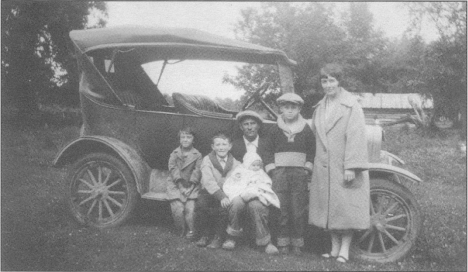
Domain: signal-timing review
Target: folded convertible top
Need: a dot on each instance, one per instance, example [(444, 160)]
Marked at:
[(141, 36)]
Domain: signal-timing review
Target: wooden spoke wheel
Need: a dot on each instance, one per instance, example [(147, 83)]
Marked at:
[(102, 191), (395, 224)]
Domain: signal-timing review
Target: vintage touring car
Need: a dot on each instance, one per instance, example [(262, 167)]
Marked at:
[(140, 85)]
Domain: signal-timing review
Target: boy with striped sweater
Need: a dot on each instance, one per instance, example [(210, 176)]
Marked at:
[(292, 145)]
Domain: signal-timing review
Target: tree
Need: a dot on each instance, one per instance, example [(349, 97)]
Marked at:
[(365, 49), (444, 66), (37, 55), (360, 20), (305, 31), (401, 64), (311, 34)]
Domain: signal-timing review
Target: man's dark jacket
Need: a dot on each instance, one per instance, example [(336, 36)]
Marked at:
[(239, 149)]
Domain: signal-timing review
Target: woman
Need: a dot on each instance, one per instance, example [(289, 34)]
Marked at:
[(339, 193)]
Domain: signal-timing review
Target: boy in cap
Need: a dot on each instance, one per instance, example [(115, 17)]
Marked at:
[(293, 144)]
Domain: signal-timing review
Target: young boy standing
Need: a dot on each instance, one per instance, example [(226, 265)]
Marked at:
[(184, 167), (212, 201), (292, 143)]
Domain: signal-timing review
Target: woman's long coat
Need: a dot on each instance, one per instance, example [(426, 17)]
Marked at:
[(340, 144)]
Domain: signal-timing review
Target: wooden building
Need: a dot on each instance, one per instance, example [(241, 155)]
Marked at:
[(391, 106)]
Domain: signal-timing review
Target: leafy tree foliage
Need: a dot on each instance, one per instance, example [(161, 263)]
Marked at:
[(359, 23), (303, 31), (313, 35), (443, 69), (364, 50), (309, 33), (37, 55)]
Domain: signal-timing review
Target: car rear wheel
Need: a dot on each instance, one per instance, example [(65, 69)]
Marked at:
[(395, 224), (102, 191)]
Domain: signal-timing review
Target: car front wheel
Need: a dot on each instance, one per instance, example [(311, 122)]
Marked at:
[(102, 191), (395, 224)]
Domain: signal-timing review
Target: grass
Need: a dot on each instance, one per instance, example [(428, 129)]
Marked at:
[(437, 160), (434, 158), (38, 232)]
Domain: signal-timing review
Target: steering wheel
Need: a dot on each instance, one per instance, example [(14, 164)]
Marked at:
[(257, 97)]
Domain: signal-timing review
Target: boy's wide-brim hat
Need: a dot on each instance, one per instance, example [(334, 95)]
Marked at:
[(290, 98), (248, 113)]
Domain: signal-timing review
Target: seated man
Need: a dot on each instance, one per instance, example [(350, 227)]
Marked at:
[(250, 123), (249, 189)]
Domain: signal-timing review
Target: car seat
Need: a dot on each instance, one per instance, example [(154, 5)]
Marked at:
[(200, 105)]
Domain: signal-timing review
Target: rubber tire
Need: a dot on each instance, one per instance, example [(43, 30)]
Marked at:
[(379, 184), (125, 173)]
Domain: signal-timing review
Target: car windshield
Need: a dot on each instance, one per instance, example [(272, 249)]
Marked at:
[(219, 80)]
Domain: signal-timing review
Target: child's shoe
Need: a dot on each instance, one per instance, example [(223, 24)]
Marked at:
[(283, 250), (202, 242), (296, 250), (229, 244), (215, 243), (271, 249)]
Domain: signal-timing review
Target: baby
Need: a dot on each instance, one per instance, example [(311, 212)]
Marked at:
[(248, 181)]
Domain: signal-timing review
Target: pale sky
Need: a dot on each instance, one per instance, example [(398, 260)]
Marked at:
[(220, 18)]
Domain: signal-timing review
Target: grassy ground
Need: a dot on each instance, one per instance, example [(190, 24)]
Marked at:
[(39, 234), (437, 160)]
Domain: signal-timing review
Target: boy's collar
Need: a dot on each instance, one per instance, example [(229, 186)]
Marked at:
[(292, 129), (180, 151), (186, 150), (291, 122), (219, 158)]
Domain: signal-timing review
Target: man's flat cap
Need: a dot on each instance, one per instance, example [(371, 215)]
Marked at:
[(291, 98), (248, 113)]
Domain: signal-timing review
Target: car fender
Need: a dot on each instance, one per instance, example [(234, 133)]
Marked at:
[(379, 169), (89, 144), (390, 158)]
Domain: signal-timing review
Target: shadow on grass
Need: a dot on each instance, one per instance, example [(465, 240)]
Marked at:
[(151, 213)]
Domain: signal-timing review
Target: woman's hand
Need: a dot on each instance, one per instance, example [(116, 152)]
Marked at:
[(225, 203), (349, 175)]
